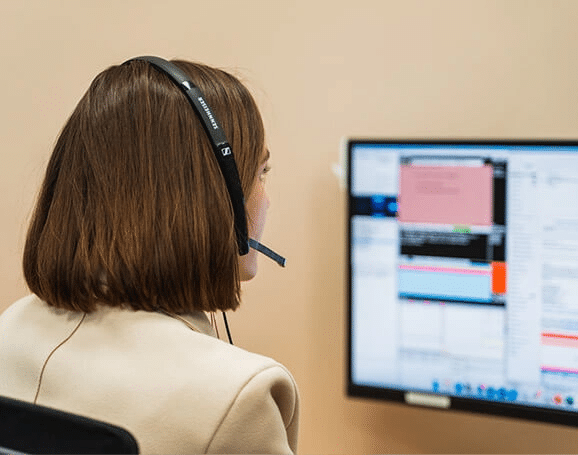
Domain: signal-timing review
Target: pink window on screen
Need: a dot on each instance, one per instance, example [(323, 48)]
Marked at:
[(446, 195)]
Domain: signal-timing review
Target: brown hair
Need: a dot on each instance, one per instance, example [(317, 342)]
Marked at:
[(133, 210)]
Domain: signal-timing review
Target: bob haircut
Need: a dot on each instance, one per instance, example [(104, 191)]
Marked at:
[(133, 211)]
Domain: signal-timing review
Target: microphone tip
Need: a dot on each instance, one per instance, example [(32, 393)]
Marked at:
[(267, 252)]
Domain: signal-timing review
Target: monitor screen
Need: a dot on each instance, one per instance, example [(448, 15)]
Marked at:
[(463, 275)]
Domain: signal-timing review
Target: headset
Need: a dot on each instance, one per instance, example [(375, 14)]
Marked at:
[(223, 153)]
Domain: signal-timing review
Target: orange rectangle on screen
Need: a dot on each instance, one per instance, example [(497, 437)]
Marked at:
[(498, 277)]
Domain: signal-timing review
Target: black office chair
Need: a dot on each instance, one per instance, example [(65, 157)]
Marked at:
[(26, 428)]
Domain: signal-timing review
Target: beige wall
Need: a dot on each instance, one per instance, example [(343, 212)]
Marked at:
[(321, 70)]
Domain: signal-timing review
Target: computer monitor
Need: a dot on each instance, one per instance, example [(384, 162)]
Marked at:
[(463, 275)]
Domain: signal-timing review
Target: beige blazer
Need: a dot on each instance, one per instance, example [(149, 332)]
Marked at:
[(170, 382)]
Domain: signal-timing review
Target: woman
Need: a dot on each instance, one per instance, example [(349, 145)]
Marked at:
[(131, 244)]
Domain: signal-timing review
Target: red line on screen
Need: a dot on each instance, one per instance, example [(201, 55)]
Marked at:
[(558, 369), (426, 268), (559, 339)]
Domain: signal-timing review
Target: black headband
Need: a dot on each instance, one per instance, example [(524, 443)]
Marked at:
[(221, 147)]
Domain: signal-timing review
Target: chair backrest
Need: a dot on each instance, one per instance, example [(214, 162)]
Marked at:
[(26, 428)]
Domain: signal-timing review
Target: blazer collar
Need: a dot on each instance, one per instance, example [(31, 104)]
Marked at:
[(197, 321)]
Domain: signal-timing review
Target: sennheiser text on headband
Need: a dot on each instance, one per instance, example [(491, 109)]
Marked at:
[(222, 150)]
